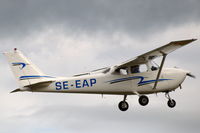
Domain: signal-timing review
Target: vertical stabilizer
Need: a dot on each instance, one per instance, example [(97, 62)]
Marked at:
[(23, 69)]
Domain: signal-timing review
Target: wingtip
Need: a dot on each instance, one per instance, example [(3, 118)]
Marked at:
[(183, 42), (194, 39), (190, 40)]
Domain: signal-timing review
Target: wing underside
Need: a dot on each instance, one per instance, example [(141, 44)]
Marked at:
[(166, 49)]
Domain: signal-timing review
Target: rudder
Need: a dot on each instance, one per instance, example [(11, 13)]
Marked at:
[(23, 69)]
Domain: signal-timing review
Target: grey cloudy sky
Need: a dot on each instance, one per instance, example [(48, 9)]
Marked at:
[(66, 37)]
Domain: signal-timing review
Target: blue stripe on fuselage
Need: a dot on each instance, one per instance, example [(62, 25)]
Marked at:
[(33, 77), (141, 82)]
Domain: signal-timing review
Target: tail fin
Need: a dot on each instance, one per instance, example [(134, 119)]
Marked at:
[(24, 70)]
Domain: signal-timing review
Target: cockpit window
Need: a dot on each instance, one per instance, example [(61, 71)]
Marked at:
[(135, 69), (143, 68), (139, 68), (123, 71)]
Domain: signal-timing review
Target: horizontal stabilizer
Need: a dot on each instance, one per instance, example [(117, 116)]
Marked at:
[(40, 84), (34, 86), (16, 90)]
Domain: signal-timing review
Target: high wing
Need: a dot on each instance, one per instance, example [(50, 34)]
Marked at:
[(166, 49)]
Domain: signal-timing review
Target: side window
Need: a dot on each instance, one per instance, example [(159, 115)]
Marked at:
[(143, 68), (123, 71), (139, 68), (135, 69)]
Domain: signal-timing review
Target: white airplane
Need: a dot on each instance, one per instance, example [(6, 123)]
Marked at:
[(122, 79)]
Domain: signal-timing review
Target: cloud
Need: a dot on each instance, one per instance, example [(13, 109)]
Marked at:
[(21, 18)]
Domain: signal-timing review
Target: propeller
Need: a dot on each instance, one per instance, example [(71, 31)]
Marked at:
[(191, 75)]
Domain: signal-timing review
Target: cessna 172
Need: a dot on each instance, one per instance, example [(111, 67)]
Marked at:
[(122, 79)]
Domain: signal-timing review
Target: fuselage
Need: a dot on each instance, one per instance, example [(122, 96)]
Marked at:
[(137, 76), (117, 83)]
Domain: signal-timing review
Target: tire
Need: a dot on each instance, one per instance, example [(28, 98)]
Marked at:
[(123, 105), (171, 103), (143, 100)]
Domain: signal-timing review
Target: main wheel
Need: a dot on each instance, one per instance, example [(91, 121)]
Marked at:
[(123, 105), (143, 100), (171, 103)]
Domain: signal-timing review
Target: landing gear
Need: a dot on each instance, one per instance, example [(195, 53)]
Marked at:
[(171, 102), (123, 105), (143, 100)]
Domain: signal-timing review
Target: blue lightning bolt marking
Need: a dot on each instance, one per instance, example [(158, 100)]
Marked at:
[(140, 83), (19, 63)]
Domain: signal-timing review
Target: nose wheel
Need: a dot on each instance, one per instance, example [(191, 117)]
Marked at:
[(171, 102), (123, 105)]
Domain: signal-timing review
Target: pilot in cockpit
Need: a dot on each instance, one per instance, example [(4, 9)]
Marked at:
[(153, 68)]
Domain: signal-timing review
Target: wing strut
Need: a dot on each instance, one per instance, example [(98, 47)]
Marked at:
[(159, 72)]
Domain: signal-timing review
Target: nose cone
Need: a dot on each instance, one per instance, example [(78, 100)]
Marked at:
[(181, 75), (187, 73), (177, 77)]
